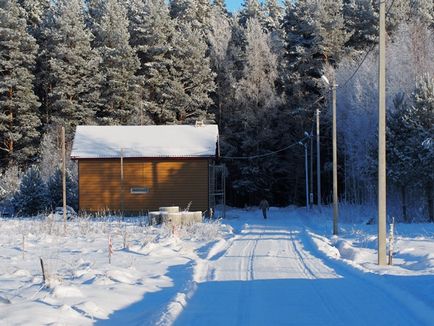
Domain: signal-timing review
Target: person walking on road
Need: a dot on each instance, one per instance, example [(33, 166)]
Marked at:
[(265, 207)]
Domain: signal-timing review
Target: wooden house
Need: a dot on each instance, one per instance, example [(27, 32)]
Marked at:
[(134, 169)]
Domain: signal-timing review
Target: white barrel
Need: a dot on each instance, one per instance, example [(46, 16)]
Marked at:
[(170, 209), (154, 218), (197, 217), (187, 218), (174, 219)]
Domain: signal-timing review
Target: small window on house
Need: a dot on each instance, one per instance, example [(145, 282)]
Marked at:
[(139, 190)]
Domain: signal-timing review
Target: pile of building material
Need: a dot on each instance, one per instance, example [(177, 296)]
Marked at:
[(172, 216)]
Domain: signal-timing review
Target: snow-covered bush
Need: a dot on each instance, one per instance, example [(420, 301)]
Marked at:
[(32, 197)]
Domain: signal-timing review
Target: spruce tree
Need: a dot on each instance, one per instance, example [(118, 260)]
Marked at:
[(420, 119), (19, 121), (55, 190), (274, 15), (120, 89), (32, 197), (70, 77), (400, 160)]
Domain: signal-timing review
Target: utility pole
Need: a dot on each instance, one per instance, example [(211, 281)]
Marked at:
[(307, 175), (335, 165), (311, 171), (318, 162), (382, 138), (64, 177), (122, 182)]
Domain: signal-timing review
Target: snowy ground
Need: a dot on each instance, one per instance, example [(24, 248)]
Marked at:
[(286, 270)]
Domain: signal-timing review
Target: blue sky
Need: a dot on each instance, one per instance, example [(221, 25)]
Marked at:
[(233, 5)]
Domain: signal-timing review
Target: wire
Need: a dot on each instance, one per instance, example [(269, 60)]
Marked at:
[(264, 155), (279, 150), (367, 53)]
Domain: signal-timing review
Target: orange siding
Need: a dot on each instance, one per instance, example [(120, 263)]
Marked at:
[(169, 183)]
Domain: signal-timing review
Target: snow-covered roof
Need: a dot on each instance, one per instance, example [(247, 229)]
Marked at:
[(145, 141)]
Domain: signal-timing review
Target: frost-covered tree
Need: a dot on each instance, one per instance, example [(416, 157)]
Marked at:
[(273, 15), (10, 180), (361, 20), (400, 161), (19, 120), (251, 9), (176, 75), (249, 125), (194, 77), (197, 13), (152, 36), (50, 154), (55, 190), (221, 5), (70, 77), (218, 38), (332, 29), (305, 56), (35, 12), (420, 119), (32, 197), (120, 88)]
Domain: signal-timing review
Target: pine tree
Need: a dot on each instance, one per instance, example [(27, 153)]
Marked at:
[(332, 30), (175, 73), (305, 56), (152, 36), (218, 39), (19, 121), (120, 89), (221, 5), (251, 9), (197, 13), (361, 20), (32, 197), (70, 77), (35, 12), (194, 78), (249, 125)]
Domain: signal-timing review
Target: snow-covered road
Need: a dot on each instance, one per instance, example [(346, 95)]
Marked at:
[(270, 273)]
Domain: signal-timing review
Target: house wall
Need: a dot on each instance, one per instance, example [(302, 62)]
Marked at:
[(170, 182)]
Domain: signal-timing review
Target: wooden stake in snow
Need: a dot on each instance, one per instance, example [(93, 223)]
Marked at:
[(24, 238), (64, 177), (110, 249), (44, 278)]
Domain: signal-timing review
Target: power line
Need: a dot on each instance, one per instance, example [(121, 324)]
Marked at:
[(264, 155), (366, 54), (279, 150)]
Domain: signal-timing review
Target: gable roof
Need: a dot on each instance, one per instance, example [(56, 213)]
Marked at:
[(145, 141)]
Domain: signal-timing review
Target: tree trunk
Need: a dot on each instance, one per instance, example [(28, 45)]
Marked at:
[(429, 197), (404, 204)]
